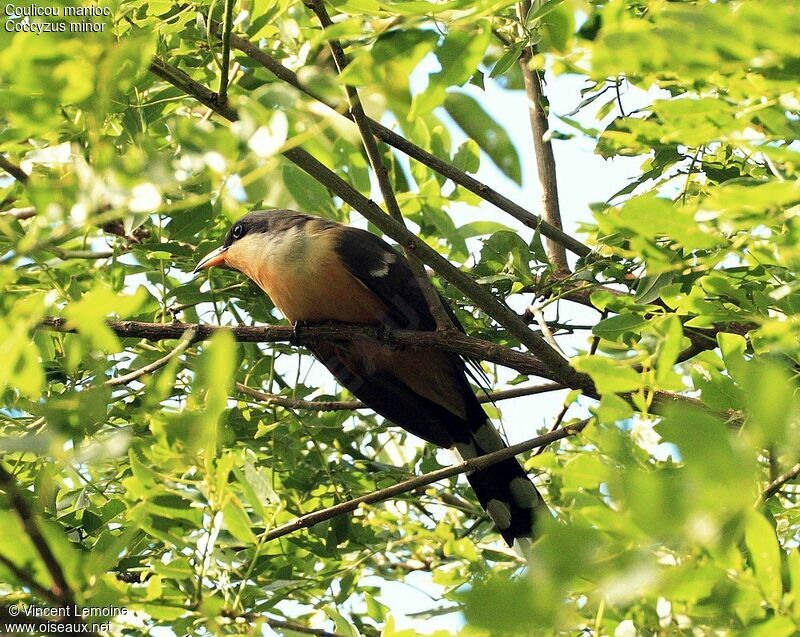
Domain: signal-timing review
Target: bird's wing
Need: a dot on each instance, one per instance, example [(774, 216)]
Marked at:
[(386, 274)]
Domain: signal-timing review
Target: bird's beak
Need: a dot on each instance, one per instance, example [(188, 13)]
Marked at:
[(217, 257)]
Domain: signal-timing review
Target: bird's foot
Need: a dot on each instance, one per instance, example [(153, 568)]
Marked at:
[(384, 333), (297, 326)]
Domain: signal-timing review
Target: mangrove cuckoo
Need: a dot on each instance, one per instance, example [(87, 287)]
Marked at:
[(315, 271)]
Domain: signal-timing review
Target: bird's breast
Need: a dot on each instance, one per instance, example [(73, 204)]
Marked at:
[(307, 281)]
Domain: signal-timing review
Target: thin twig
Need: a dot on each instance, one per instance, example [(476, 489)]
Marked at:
[(280, 624), (617, 84), (776, 485), (222, 94), (481, 462), (556, 425), (543, 148), (80, 254), (299, 628), (548, 335), (440, 315), (61, 589), (352, 405), (186, 340), (20, 214)]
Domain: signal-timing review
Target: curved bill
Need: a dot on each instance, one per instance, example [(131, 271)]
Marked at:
[(217, 257)]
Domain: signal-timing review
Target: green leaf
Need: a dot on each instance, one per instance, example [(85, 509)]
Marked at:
[(669, 348), (557, 27), (585, 471), (468, 157), (343, 625), (615, 327), (608, 375), (237, 520), (489, 135), (311, 196), (507, 60), (459, 55), (759, 536)]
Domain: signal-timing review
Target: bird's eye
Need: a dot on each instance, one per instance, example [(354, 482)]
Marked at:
[(237, 231)]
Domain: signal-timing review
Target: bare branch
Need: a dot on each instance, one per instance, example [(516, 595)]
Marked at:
[(186, 340), (19, 503), (202, 94), (443, 321), (280, 624), (307, 335), (298, 403), (548, 335), (91, 255), (222, 94), (479, 295), (26, 579), (481, 462), (777, 484), (543, 148), (294, 627), (20, 214), (454, 342)]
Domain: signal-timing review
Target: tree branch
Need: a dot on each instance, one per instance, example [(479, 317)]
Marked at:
[(308, 335), (456, 343), (186, 340), (479, 295), (776, 485), (352, 405), (26, 579), (182, 81), (280, 624), (420, 154), (222, 95), (543, 148), (20, 214), (61, 589), (481, 462), (12, 169), (357, 114)]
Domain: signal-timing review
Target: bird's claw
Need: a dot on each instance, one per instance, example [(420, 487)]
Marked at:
[(296, 327), (384, 333)]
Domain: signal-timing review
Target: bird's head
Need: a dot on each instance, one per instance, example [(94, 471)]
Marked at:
[(255, 238)]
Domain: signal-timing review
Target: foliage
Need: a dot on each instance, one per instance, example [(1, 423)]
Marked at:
[(156, 494)]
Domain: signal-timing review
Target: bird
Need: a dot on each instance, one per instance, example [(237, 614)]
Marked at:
[(318, 271)]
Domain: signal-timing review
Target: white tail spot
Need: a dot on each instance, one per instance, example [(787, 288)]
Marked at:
[(500, 512), (488, 439), (523, 492)]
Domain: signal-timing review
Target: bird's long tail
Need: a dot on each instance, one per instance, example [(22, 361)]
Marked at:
[(503, 489)]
